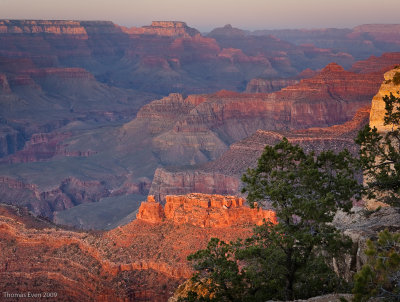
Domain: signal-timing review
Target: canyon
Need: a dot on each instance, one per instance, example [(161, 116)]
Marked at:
[(163, 149), (96, 117), (145, 259), (92, 112), (179, 131)]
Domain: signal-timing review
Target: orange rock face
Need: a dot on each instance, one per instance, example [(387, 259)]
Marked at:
[(151, 211), (204, 210), (140, 261)]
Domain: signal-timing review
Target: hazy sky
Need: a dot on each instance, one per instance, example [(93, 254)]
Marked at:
[(207, 14)]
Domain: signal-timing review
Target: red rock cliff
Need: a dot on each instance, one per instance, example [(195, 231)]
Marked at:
[(151, 211), (204, 210)]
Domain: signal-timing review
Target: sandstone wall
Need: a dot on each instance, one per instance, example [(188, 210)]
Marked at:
[(204, 210), (378, 105)]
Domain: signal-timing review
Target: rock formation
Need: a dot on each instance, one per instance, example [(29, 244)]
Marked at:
[(151, 211), (204, 210), (164, 28), (391, 85), (385, 62), (170, 181), (203, 132), (378, 105), (144, 260), (222, 176)]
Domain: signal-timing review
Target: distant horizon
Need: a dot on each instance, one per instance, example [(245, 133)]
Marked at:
[(189, 25), (206, 15)]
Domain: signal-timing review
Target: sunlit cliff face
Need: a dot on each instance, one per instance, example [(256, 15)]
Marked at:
[(204, 210), (389, 86), (378, 105)]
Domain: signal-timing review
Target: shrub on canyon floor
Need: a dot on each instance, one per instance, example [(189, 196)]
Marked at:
[(288, 260)]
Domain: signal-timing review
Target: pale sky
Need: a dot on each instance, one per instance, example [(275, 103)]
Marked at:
[(207, 14)]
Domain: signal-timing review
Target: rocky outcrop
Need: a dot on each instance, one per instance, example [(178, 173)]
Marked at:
[(151, 211), (211, 211), (389, 86), (361, 225), (164, 28), (204, 210), (139, 261)]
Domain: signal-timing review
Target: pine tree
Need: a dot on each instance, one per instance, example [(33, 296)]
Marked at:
[(380, 276), (380, 156), (288, 260)]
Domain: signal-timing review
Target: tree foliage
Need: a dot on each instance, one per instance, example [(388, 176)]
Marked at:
[(380, 156), (380, 160), (288, 260), (380, 277)]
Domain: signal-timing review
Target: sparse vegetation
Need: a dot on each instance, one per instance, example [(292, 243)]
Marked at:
[(380, 156), (288, 260), (380, 159), (380, 276)]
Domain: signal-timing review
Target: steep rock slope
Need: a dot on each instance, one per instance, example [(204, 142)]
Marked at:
[(331, 97), (222, 176)]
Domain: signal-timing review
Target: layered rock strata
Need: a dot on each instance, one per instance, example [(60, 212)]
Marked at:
[(204, 210), (141, 261), (222, 176), (164, 28)]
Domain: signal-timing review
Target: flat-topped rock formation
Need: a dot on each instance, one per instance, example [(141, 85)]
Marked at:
[(204, 210), (165, 28)]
